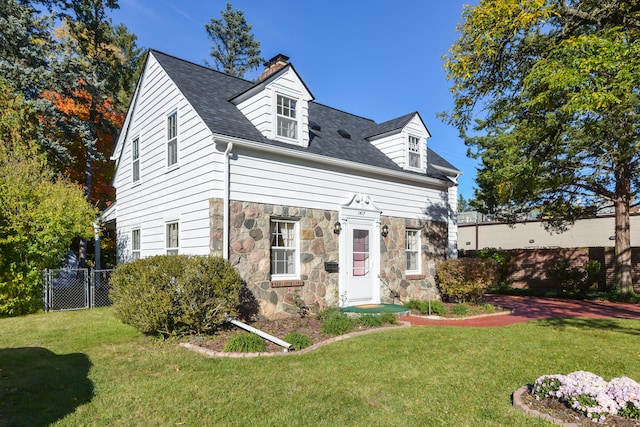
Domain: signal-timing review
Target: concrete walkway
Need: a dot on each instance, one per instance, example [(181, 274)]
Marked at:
[(531, 308)]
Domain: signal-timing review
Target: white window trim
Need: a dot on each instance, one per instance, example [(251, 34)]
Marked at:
[(419, 152), (296, 257), (298, 120), (135, 160), (417, 251), (133, 248), (166, 238), (167, 140)]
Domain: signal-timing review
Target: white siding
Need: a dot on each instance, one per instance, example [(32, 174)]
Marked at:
[(395, 145), (163, 195), (267, 179), (260, 107)]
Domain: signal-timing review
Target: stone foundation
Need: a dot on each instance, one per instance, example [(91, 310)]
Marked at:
[(249, 252)]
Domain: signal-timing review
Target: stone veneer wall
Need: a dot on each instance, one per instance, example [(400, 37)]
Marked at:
[(249, 252), (396, 285)]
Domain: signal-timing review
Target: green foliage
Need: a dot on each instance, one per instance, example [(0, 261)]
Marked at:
[(328, 312), (579, 279), (40, 213), (556, 83), (547, 386), (233, 49), (298, 340), (435, 307), (501, 257), (370, 320), (336, 323), (245, 343), (460, 309), (388, 318), (466, 279), (177, 293)]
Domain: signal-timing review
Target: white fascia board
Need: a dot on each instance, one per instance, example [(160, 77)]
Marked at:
[(331, 161)]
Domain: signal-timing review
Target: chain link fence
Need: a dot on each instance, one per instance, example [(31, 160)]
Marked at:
[(75, 289)]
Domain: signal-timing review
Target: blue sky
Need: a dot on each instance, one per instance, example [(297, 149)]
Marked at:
[(378, 59)]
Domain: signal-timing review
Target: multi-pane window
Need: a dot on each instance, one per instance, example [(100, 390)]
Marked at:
[(172, 238), (414, 152), (287, 123), (360, 252), (284, 248), (135, 158), (135, 244), (172, 139), (412, 250)]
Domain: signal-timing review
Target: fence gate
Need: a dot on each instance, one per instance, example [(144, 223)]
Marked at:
[(74, 289)]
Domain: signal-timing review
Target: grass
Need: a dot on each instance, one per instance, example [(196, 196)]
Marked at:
[(86, 368)]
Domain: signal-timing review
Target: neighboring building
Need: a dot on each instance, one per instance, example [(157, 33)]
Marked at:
[(584, 233), (303, 199)]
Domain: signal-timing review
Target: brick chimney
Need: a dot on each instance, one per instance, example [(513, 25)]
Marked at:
[(273, 65)]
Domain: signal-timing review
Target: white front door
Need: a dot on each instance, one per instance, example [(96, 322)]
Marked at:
[(360, 252), (360, 280)]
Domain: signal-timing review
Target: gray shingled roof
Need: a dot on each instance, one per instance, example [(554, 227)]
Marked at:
[(209, 92)]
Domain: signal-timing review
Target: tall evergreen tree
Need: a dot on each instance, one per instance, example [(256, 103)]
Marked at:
[(233, 49), (554, 86)]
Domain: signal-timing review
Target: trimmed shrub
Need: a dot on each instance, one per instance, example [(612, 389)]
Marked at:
[(466, 279), (167, 294), (245, 343), (298, 340), (208, 288)]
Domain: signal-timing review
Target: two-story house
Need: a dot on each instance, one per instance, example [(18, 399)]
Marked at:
[(302, 198)]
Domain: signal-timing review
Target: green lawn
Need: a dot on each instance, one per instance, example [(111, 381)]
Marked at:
[(86, 368)]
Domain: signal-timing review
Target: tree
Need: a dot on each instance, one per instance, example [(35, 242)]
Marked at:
[(233, 49), (40, 213), (554, 88)]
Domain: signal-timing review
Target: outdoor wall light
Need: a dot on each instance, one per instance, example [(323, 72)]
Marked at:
[(532, 241), (385, 230), (337, 227), (612, 237)]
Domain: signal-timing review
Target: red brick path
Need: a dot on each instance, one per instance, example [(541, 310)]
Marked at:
[(531, 308)]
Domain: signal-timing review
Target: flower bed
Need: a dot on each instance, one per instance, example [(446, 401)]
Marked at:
[(591, 395)]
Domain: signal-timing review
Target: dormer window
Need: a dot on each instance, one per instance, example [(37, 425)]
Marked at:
[(287, 122), (413, 151)]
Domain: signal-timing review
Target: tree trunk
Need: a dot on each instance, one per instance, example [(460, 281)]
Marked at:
[(624, 280)]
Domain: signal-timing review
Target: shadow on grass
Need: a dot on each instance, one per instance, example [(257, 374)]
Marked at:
[(38, 387), (590, 323)]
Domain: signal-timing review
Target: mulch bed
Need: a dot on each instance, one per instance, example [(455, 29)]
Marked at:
[(309, 325)]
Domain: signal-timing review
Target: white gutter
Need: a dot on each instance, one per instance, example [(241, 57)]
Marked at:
[(225, 198), (259, 146)]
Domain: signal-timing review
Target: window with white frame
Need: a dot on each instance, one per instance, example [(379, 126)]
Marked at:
[(284, 249), (286, 117), (413, 149), (135, 159), (412, 251), (135, 244), (172, 139), (172, 238)]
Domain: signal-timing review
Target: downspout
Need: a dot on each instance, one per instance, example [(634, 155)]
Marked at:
[(225, 198)]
